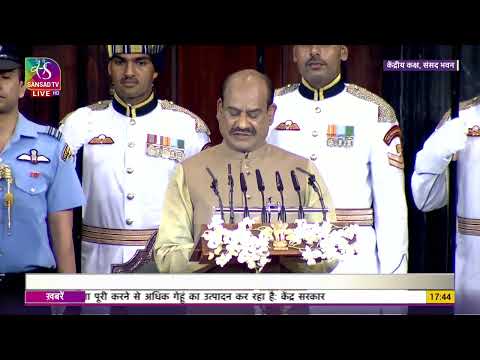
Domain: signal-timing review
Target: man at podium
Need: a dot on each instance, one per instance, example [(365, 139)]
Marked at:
[(231, 174)]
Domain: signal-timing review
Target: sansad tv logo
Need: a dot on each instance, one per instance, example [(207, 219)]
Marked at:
[(43, 76)]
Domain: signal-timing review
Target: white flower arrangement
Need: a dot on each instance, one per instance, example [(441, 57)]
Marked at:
[(241, 243), (315, 241)]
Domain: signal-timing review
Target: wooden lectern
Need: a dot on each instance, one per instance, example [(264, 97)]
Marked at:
[(201, 251)]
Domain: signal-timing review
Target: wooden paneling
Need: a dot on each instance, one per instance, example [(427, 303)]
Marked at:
[(201, 71), (165, 83), (95, 75), (191, 76), (364, 67), (274, 65)]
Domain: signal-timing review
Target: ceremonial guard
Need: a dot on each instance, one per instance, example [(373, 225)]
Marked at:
[(353, 136), (456, 139), (130, 147)]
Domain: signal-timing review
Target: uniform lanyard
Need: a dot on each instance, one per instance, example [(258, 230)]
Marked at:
[(6, 173)]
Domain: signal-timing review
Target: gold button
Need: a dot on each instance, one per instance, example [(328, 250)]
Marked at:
[(317, 109), (314, 133), (130, 196), (249, 196), (131, 144), (129, 170), (129, 221), (313, 157), (132, 122)]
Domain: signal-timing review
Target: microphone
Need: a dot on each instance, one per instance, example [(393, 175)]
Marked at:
[(261, 188), (243, 187), (214, 187), (313, 183), (296, 187), (230, 195), (282, 215)]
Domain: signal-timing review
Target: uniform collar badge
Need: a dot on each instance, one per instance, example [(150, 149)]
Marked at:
[(34, 157), (340, 136), (101, 139), (288, 125)]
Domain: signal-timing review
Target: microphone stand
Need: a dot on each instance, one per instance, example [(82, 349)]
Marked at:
[(214, 187)]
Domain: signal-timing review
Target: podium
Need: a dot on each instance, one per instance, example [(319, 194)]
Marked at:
[(201, 250), (279, 248)]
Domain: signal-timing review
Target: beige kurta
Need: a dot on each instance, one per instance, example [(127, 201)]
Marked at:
[(189, 201)]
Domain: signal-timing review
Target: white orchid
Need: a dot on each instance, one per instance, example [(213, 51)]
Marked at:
[(322, 242), (351, 231), (233, 248), (223, 259), (265, 236), (310, 239), (264, 260), (216, 222), (300, 222), (246, 223), (214, 239), (324, 230), (227, 235), (311, 255), (218, 250), (243, 257)]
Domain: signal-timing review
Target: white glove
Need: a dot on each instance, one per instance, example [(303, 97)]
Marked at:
[(451, 137)]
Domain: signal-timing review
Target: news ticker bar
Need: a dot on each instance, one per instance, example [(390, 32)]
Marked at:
[(421, 65), (238, 297), (235, 281)]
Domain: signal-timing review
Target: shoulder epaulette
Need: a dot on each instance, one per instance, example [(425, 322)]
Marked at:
[(464, 105), (99, 105), (286, 89), (385, 111), (53, 132), (200, 125)]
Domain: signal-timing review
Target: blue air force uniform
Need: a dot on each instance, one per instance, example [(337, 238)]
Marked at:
[(44, 181)]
